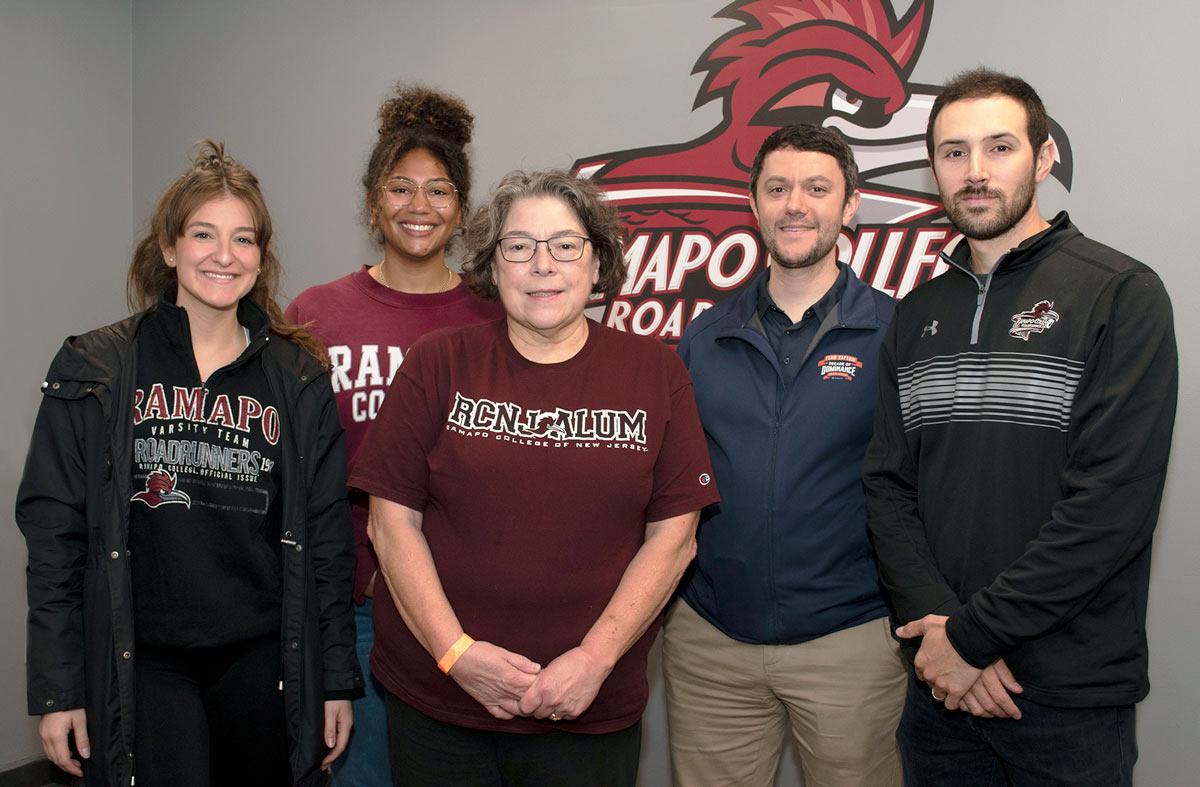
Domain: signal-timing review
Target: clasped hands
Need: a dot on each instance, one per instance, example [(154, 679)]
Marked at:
[(983, 693), (508, 684)]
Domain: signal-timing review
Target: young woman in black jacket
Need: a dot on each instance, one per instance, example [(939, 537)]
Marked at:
[(184, 505)]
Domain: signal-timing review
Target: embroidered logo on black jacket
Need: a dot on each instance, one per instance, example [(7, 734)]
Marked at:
[(1036, 320)]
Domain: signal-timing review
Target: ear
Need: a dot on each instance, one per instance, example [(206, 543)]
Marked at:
[(1045, 160), (851, 207), (168, 253), (754, 208), (933, 173)]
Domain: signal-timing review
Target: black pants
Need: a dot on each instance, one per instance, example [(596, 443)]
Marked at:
[(210, 716), (430, 753)]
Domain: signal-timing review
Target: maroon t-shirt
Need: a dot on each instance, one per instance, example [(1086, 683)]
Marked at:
[(536, 482), (368, 329)]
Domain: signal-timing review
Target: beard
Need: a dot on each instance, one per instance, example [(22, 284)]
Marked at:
[(980, 223), (827, 237)]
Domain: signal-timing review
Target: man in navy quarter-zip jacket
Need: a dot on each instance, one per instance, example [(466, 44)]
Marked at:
[(782, 623), (1027, 398)]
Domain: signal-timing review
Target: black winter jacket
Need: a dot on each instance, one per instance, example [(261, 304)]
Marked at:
[(1020, 449), (72, 507)]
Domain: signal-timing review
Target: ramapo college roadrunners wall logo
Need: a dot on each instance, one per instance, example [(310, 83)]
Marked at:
[(839, 63)]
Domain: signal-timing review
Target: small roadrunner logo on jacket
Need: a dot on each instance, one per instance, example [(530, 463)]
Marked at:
[(1036, 320)]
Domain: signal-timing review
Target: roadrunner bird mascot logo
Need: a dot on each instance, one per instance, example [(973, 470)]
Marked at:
[(838, 63), (160, 490)]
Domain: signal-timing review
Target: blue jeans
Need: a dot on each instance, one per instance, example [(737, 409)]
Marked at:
[(1047, 746), (365, 761)]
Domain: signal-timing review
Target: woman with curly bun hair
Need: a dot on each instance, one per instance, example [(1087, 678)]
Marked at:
[(184, 506), (416, 191)]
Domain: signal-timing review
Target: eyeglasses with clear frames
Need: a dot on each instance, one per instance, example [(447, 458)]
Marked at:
[(563, 248), (439, 193)]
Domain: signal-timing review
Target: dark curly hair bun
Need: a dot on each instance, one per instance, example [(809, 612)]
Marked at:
[(419, 118), (415, 107)]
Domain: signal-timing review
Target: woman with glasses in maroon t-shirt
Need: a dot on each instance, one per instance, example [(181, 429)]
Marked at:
[(535, 483)]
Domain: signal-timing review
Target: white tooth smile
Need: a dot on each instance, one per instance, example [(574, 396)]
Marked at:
[(417, 227), (221, 276)]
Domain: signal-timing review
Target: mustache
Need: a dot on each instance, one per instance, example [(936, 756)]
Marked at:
[(978, 191)]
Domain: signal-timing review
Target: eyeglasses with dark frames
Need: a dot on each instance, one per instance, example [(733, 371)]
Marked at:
[(563, 248)]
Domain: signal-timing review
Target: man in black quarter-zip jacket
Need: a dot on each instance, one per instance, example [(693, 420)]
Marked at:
[(1027, 398)]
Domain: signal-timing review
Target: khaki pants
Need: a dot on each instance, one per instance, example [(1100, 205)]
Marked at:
[(729, 702)]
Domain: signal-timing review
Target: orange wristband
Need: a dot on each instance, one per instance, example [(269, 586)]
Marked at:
[(451, 656)]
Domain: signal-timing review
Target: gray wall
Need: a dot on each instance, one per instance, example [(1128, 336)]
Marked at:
[(292, 86), (65, 190)]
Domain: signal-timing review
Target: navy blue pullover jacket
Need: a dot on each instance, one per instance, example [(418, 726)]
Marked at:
[(784, 557)]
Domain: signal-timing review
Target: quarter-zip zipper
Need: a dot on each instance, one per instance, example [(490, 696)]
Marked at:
[(982, 291)]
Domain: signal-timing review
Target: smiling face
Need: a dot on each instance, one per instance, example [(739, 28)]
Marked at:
[(545, 298), (216, 258), (800, 203), (986, 169), (416, 232)]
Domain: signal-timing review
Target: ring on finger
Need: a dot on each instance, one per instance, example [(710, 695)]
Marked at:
[(935, 696), (554, 717)]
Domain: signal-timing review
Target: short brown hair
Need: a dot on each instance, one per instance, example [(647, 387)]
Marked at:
[(600, 222), (985, 83), (808, 137)]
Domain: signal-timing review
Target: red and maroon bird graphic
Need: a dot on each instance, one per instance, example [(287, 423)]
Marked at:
[(160, 490), (838, 63)]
